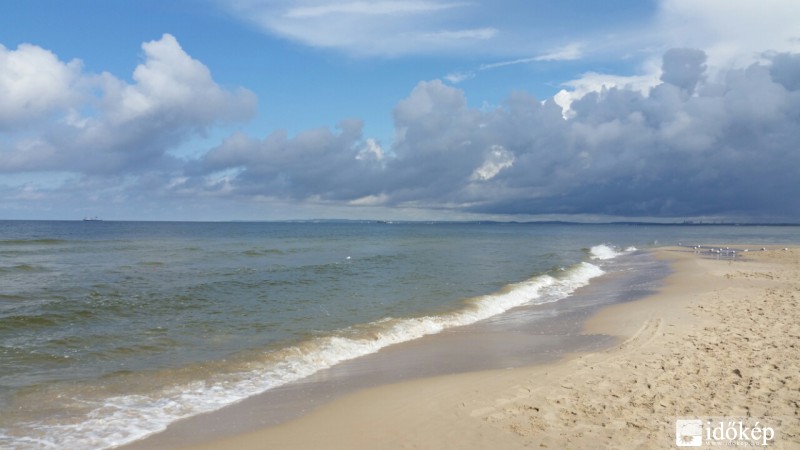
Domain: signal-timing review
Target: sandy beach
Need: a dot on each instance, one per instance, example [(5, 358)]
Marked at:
[(720, 340)]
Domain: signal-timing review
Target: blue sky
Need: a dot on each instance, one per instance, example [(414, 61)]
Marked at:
[(416, 109)]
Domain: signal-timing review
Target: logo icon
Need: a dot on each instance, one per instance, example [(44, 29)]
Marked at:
[(689, 433)]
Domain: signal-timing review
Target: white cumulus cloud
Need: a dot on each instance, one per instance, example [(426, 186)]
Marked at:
[(91, 123), (34, 83)]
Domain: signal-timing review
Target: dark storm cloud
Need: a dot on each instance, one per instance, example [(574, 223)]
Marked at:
[(730, 149), (689, 147), (784, 70), (683, 67), (315, 163)]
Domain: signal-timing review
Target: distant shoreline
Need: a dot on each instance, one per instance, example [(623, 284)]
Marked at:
[(433, 222)]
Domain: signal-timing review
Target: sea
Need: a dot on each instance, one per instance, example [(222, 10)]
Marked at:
[(111, 331)]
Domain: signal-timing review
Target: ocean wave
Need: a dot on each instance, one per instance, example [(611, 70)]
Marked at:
[(32, 242), (605, 252), (22, 268), (263, 252), (122, 419)]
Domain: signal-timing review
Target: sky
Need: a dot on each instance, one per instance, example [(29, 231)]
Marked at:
[(665, 110)]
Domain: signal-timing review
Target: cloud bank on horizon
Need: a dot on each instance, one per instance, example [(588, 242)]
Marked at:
[(709, 127)]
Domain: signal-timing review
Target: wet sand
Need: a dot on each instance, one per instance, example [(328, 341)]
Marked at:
[(720, 339)]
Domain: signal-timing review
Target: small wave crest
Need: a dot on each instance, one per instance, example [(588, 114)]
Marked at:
[(606, 251), (4, 242), (22, 268), (123, 419)]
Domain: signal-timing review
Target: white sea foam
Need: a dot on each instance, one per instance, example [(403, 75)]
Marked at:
[(123, 419), (604, 251)]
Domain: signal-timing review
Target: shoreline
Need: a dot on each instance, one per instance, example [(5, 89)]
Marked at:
[(686, 353), (527, 335)]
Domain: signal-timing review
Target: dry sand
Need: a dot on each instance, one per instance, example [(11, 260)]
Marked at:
[(721, 339)]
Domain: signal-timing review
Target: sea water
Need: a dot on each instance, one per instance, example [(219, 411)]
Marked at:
[(110, 331)]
